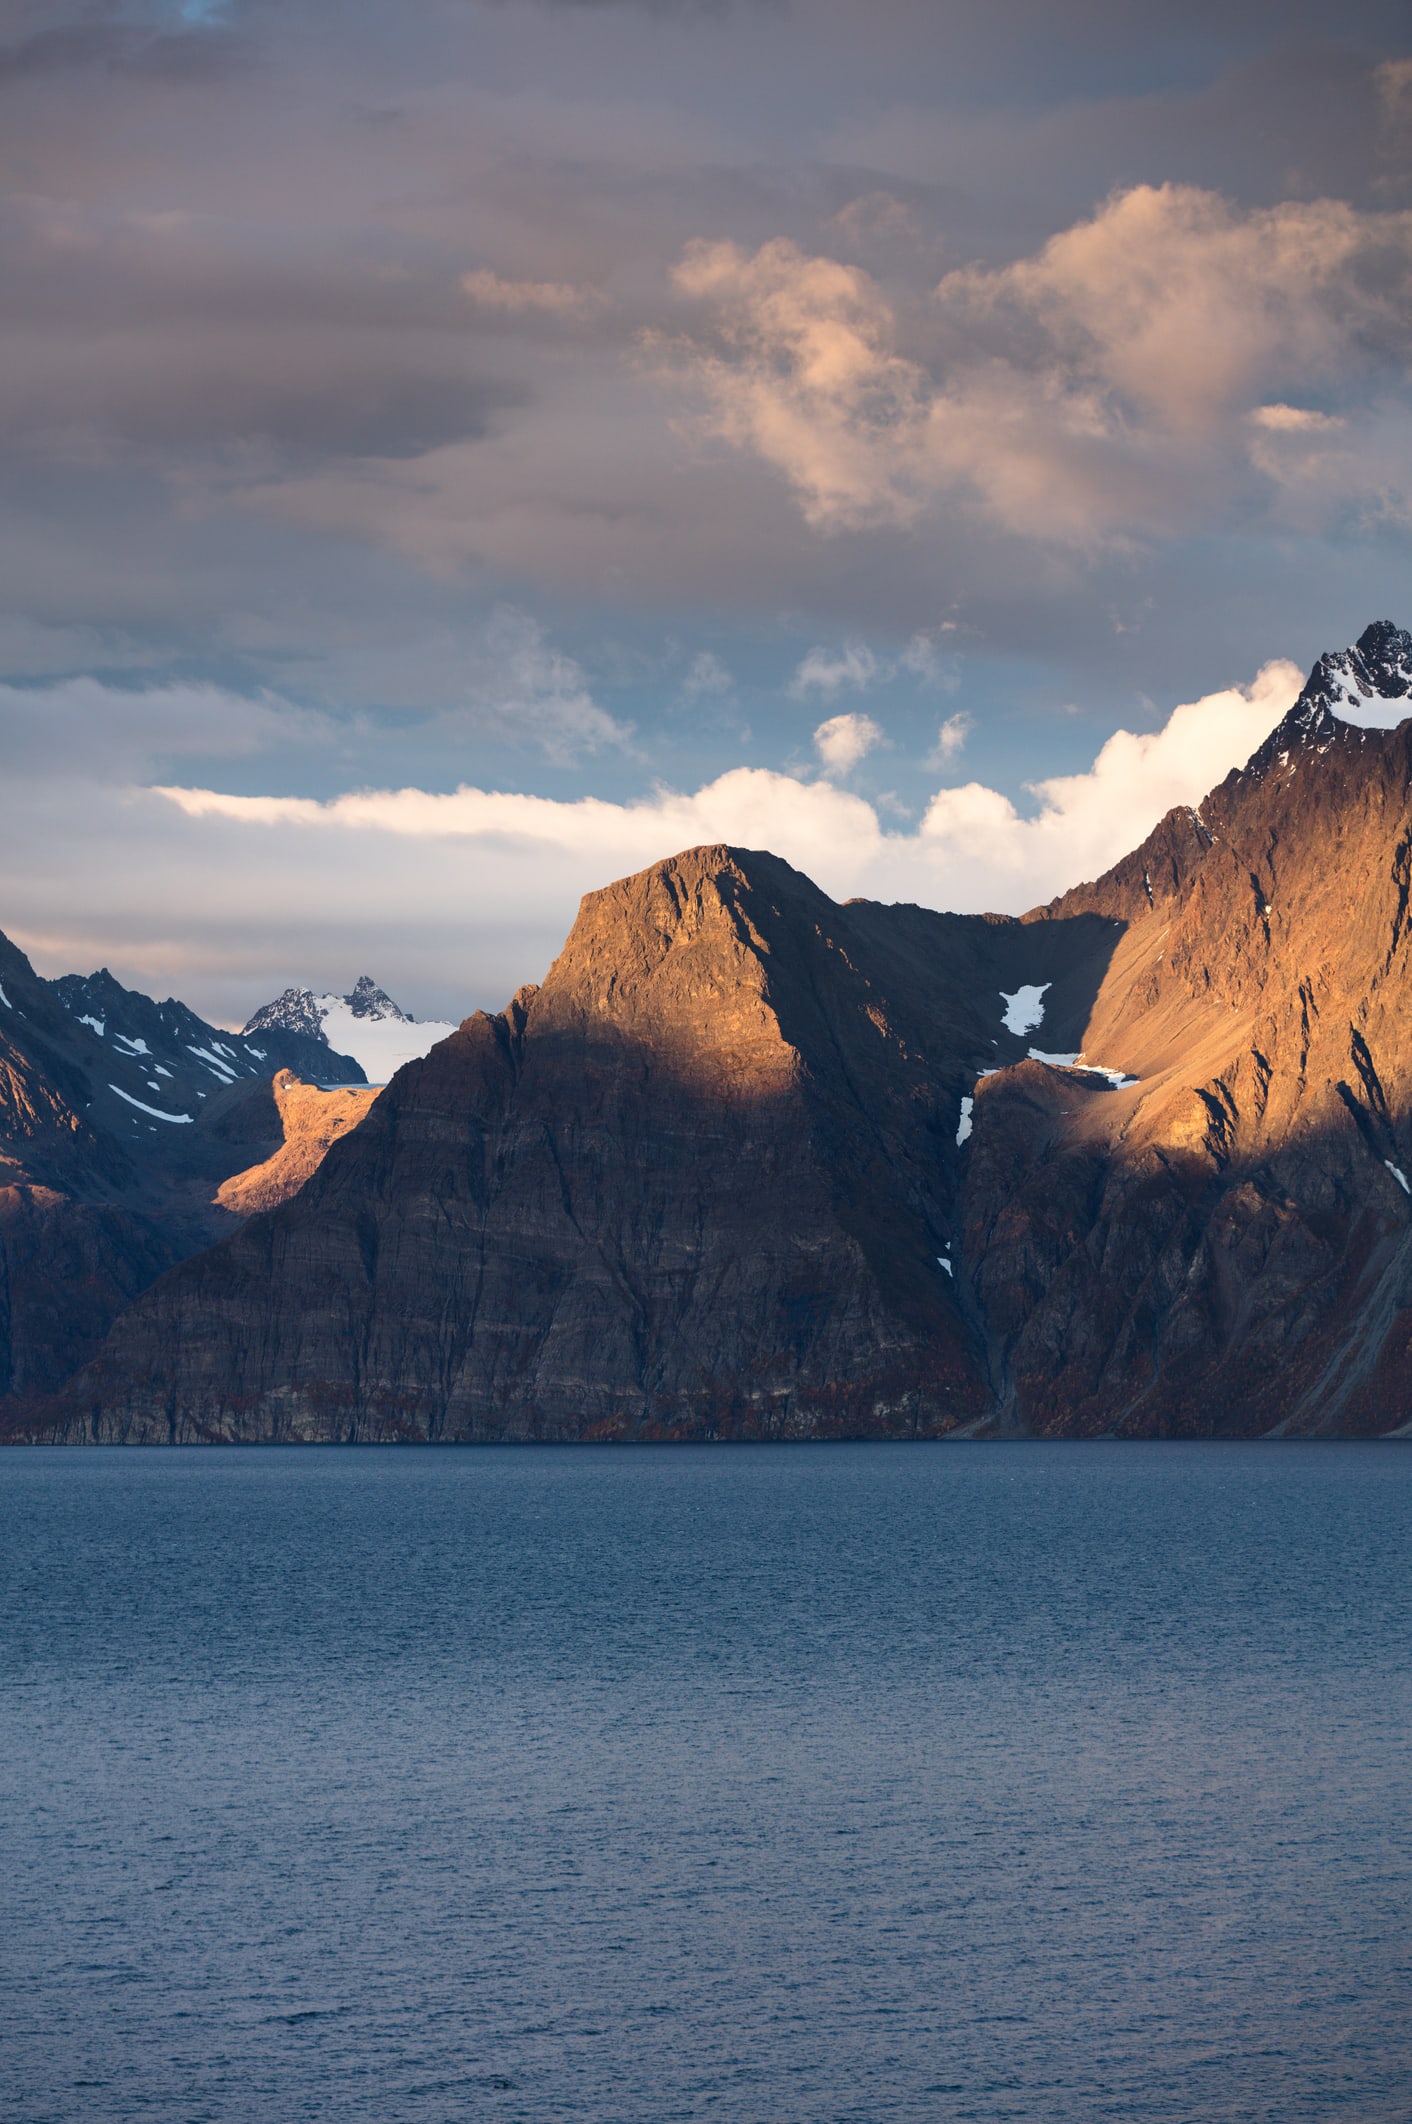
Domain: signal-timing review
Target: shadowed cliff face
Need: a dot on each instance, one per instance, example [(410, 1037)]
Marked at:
[(98, 1194), (754, 1164), (702, 1183)]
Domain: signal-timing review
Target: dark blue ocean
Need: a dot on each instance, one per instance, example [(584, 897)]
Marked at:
[(783, 1785)]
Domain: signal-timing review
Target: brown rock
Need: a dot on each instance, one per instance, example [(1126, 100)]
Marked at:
[(311, 1119), (698, 1185)]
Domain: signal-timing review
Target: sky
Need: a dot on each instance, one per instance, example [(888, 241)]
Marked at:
[(454, 454)]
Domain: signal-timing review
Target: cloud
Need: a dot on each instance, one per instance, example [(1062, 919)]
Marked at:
[(526, 686), (844, 740), (1294, 420), (857, 666), (554, 298), (452, 898), (1085, 822), (973, 849), (1091, 391), (951, 738), (707, 678), (805, 375), (821, 672)]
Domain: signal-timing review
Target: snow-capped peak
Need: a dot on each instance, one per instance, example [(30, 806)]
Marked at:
[(1368, 687), (367, 1000), (364, 1023), (297, 1010)]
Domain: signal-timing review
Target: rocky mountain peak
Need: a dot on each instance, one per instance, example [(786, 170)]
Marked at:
[(366, 1000), (294, 1011), (1363, 688)]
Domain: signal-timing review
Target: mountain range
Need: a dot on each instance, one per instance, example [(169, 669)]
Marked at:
[(366, 1022), (754, 1164)]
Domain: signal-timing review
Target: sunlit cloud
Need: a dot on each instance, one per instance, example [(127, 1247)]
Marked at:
[(1081, 394), (554, 298), (951, 738), (844, 740)]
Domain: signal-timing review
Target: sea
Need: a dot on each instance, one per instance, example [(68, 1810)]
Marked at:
[(894, 1784)]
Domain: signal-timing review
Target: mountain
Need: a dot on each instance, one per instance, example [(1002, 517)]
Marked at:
[(1224, 1244), (703, 1182), (121, 1120), (161, 1061), (366, 1022), (753, 1164)]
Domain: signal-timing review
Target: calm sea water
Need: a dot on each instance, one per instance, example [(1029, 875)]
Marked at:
[(782, 1785)]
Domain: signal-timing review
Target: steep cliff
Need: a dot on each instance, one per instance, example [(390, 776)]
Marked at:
[(120, 1122), (702, 1183), (754, 1164), (310, 1118), (1226, 1244)]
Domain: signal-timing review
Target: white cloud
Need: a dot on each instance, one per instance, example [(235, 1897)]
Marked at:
[(1085, 822), (951, 738), (468, 892), (823, 672), (1091, 391), (857, 666), (844, 740), (452, 899)]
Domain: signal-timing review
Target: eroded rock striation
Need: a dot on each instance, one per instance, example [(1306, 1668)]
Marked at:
[(752, 1164), (1226, 1245), (702, 1183)]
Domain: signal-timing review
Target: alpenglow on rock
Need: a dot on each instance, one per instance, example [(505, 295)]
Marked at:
[(753, 1164), (121, 1119)]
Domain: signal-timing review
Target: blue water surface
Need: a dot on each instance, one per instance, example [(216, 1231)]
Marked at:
[(789, 1785)]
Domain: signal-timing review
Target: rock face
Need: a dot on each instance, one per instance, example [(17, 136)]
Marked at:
[(311, 1118), (754, 1164), (1227, 1244), (703, 1183), (120, 1119), (160, 1059)]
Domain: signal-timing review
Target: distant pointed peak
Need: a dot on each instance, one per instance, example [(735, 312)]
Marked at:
[(294, 1011), (1363, 688), (366, 1000)]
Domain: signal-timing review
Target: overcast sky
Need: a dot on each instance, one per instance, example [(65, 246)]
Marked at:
[(455, 453)]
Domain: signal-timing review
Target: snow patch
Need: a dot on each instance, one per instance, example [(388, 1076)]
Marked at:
[(136, 1047), (1365, 711), (944, 1263), (155, 1111), (379, 1045), (96, 1023), (1118, 1079), (214, 1063), (1398, 1175), (4, 998), (1025, 1009), (963, 1126)]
